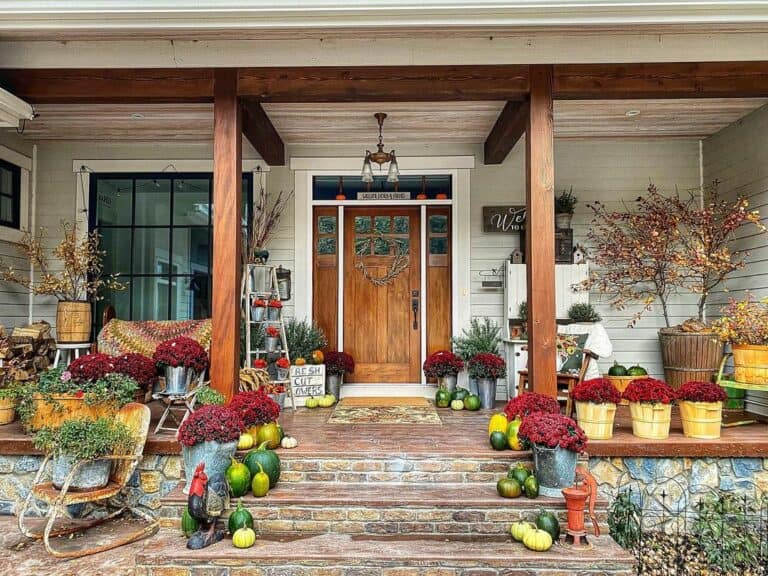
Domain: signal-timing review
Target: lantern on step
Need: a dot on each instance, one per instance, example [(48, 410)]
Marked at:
[(284, 283)]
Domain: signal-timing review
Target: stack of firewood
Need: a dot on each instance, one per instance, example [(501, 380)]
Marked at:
[(28, 350)]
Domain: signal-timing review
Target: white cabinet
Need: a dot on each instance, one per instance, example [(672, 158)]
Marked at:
[(516, 353)]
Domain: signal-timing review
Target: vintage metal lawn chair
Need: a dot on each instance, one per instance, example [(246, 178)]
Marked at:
[(136, 418)]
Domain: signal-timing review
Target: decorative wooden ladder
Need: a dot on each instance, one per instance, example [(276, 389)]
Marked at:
[(255, 274)]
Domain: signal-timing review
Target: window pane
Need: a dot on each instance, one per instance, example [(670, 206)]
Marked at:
[(402, 224), (191, 247), (114, 202), (362, 246), (438, 224), (438, 245), (363, 224), (326, 246), (6, 181), (120, 299), (403, 245), (150, 298), (6, 209), (382, 224), (380, 247), (150, 251), (116, 242), (326, 225), (153, 202), (190, 202)]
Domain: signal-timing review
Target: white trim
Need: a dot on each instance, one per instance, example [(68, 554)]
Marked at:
[(340, 281), (421, 164), (462, 247), (302, 244), (13, 110), (423, 288), (16, 158), (381, 202), (387, 389), (154, 165), (8, 234), (32, 227)]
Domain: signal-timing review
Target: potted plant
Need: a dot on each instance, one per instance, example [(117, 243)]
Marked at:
[(565, 204), (273, 310), (182, 359), (283, 368), (303, 338), (665, 245), (276, 392), (207, 396), (482, 337), (744, 325), (486, 369), (650, 404), (259, 363), (272, 340), (210, 435), (139, 367), (528, 403), (336, 365), (556, 442), (255, 409), (258, 308), (445, 367), (701, 409), (583, 313), (84, 443), (596, 401), (57, 396), (80, 282)]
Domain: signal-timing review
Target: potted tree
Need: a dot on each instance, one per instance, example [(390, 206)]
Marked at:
[(482, 337), (76, 286), (486, 368), (650, 404), (583, 313), (744, 325), (565, 204), (596, 401), (701, 409), (556, 442), (336, 365), (210, 435), (665, 245), (445, 367), (255, 409), (84, 443), (182, 359)]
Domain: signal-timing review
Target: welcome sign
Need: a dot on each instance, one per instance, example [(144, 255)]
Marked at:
[(504, 219)]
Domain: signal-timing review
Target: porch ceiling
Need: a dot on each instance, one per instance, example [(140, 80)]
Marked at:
[(352, 123)]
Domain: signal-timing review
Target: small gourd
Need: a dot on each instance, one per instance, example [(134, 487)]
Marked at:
[(457, 404), (260, 483), (289, 442), (519, 529), (188, 524), (245, 442), (244, 538), (538, 540)]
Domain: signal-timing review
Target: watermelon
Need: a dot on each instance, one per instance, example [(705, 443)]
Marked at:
[(269, 461), (239, 478), (548, 522), (498, 441), (240, 518)]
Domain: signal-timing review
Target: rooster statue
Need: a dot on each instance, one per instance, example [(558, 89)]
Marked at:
[(207, 501)]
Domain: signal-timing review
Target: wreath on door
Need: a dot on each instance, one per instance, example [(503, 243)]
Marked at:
[(399, 264)]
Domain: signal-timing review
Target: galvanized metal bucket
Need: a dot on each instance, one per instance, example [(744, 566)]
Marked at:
[(271, 344), (333, 384), (257, 313), (217, 458), (555, 469), (89, 476), (486, 389), (178, 379), (273, 313), (448, 382), (473, 386)]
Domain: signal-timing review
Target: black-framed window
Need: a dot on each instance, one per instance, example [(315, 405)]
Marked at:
[(156, 232), (10, 195)]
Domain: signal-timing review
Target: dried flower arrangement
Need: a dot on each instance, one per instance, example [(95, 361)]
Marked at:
[(552, 431), (743, 322), (596, 391), (565, 202), (211, 424), (442, 363), (82, 277), (264, 221), (530, 403)]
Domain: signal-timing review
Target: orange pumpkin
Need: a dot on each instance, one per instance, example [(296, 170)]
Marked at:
[(299, 362), (421, 196), (442, 196), (340, 197), (318, 357)]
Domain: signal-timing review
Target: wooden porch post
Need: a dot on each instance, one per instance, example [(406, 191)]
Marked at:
[(540, 233), (227, 244)]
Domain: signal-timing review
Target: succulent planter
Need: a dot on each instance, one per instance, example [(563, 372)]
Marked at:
[(486, 389), (701, 419), (54, 410), (555, 469), (650, 421), (217, 458), (258, 313), (178, 379), (596, 419), (8, 410), (90, 475)]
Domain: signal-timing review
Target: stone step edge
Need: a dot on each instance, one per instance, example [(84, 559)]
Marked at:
[(385, 551), (513, 456)]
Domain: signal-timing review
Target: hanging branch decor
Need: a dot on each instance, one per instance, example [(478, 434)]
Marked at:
[(264, 223), (399, 264)]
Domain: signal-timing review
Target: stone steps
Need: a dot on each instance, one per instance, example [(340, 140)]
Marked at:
[(371, 555), (363, 508)]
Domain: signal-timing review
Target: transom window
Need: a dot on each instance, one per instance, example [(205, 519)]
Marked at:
[(10, 195)]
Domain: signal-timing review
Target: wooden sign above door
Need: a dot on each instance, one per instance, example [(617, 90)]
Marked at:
[(504, 219)]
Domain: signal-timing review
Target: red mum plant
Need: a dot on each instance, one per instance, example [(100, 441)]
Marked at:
[(701, 392), (530, 403), (442, 363), (91, 367), (283, 362), (339, 363), (596, 391), (181, 351), (255, 407), (649, 391), (486, 365), (138, 367), (260, 363), (259, 303), (275, 304), (273, 332), (211, 423), (552, 431)]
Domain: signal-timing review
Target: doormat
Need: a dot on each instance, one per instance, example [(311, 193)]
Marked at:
[(423, 414), (379, 401)]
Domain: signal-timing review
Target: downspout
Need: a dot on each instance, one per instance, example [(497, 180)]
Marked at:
[(701, 198), (32, 225)]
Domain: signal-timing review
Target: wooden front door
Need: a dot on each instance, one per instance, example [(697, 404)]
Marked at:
[(382, 330)]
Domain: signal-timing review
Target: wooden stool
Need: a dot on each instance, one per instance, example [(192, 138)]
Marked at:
[(66, 351)]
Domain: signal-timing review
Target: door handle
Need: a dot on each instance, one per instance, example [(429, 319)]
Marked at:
[(415, 308)]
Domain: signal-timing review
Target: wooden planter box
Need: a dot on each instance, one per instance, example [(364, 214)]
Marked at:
[(64, 407)]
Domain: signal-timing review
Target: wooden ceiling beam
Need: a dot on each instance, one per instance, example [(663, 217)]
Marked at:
[(261, 133), (506, 132), (661, 80)]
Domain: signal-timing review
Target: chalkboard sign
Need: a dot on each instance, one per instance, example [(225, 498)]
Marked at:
[(306, 381), (504, 219)]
